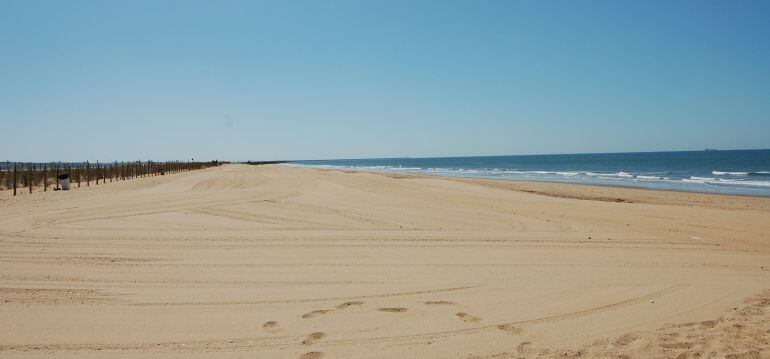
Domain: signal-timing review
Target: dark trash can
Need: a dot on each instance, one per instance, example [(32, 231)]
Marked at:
[(64, 181)]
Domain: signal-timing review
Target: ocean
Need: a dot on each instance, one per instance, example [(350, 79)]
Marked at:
[(741, 172)]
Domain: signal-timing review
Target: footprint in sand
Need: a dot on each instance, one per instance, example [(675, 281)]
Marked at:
[(349, 304), (524, 348), (626, 339), (676, 345), (465, 317), (312, 355), (271, 326), (393, 310), (510, 329), (315, 313), (709, 323), (313, 338), (439, 302)]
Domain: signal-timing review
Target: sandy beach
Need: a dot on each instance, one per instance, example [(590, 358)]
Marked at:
[(279, 262)]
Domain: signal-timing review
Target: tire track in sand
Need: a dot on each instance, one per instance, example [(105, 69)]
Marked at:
[(306, 300), (251, 343)]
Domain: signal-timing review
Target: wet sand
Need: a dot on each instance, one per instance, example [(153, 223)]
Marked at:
[(278, 262)]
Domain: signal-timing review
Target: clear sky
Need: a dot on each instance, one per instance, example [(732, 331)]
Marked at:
[(121, 80)]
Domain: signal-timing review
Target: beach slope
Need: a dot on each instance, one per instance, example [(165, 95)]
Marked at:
[(279, 262)]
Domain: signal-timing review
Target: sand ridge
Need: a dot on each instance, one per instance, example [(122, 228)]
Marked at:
[(272, 261)]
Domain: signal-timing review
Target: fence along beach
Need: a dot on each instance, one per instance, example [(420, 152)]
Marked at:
[(20, 177)]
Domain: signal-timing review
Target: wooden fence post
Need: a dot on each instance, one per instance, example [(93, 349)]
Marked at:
[(15, 177)]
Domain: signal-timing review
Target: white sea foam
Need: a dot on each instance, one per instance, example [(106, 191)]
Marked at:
[(724, 173), (728, 182), (643, 177)]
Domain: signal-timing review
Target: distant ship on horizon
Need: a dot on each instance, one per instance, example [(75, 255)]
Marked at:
[(710, 149)]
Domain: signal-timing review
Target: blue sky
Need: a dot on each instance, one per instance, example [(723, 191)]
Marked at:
[(237, 80)]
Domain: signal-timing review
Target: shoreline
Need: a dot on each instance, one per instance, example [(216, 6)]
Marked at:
[(626, 186), (617, 193), (740, 172)]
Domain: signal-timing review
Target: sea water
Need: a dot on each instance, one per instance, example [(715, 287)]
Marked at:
[(743, 172)]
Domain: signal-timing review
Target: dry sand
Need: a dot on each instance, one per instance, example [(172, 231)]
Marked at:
[(278, 262)]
